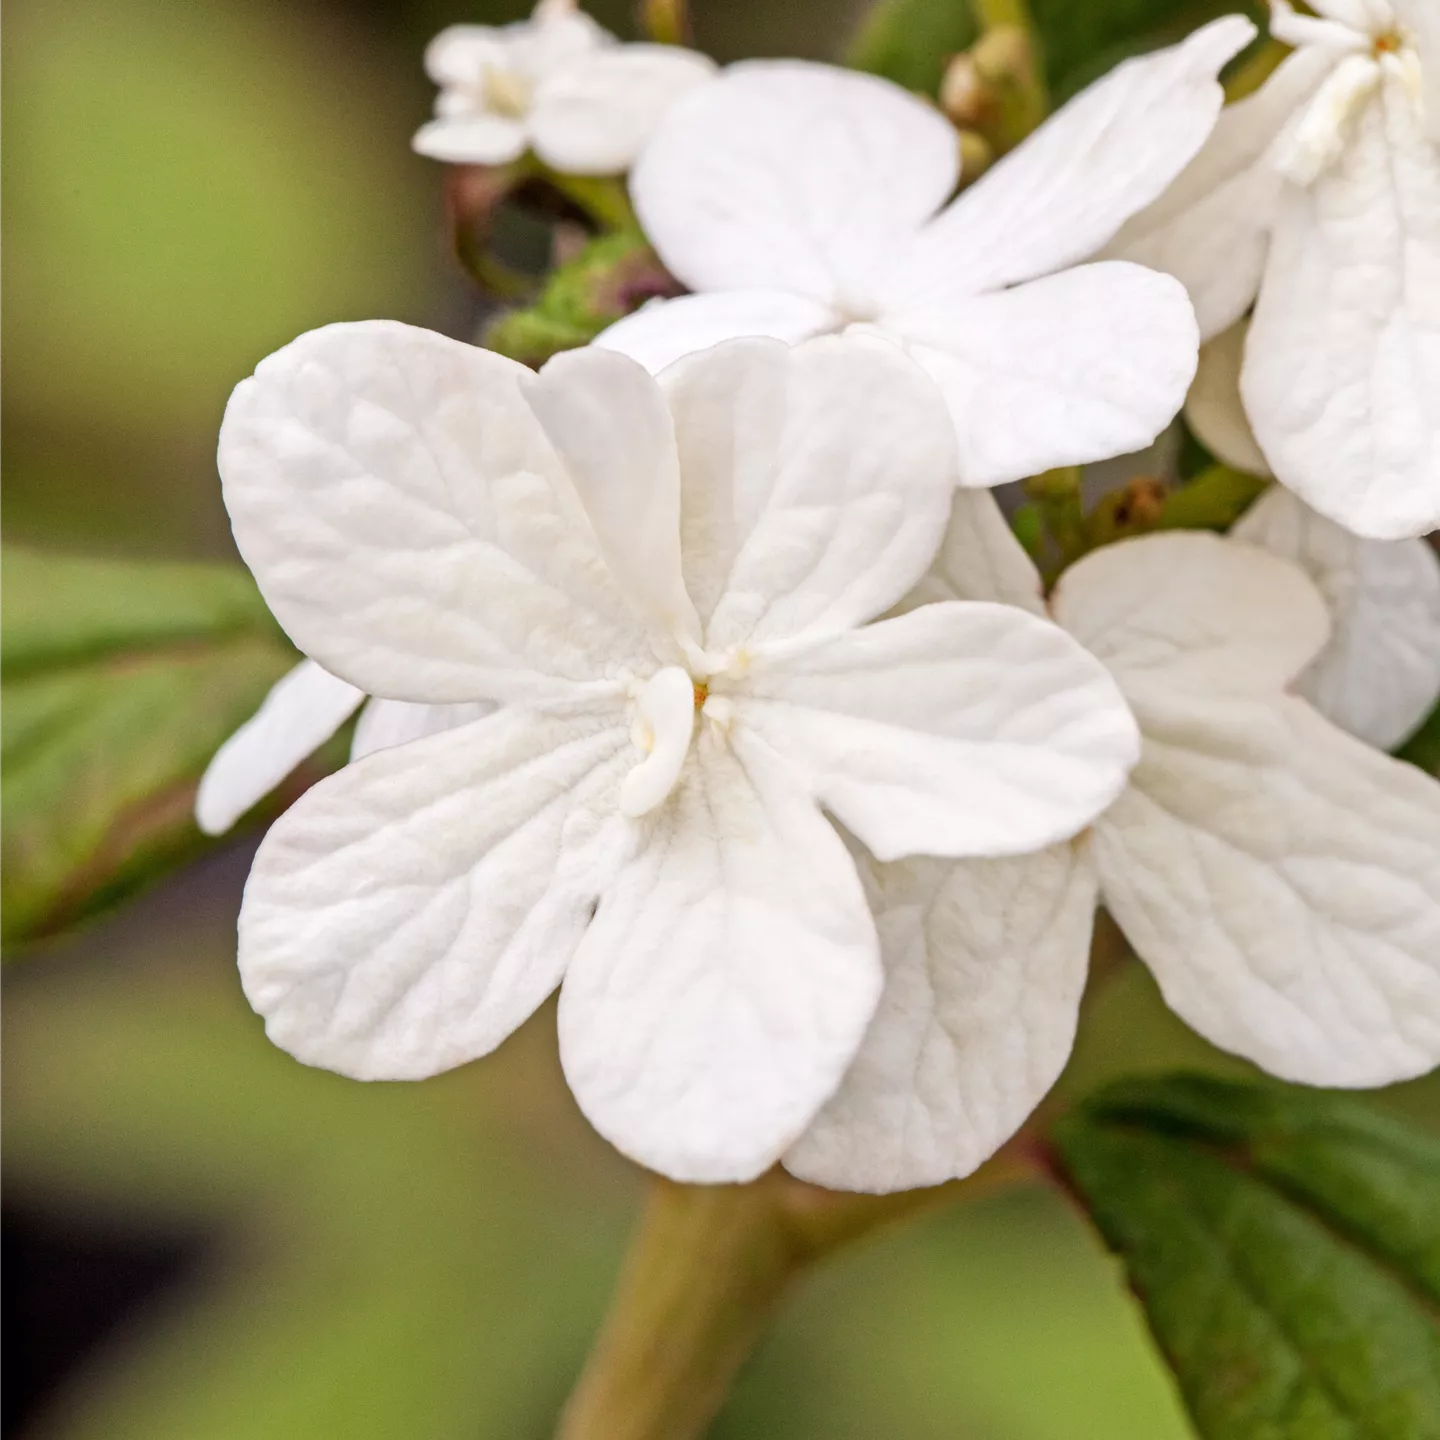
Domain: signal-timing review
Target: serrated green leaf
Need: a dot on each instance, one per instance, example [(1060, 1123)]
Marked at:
[(911, 41), (1083, 40), (610, 277), (120, 681), (1285, 1245)]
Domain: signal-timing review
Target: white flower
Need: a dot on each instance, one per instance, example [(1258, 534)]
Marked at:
[(301, 712), (1281, 879), (800, 199), (665, 587), (1379, 675), (1318, 198), (557, 84)]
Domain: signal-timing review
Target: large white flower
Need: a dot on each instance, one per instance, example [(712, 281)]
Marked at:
[(1379, 675), (798, 199), (664, 586), (1281, 879), (556, 84), (1318, 199)]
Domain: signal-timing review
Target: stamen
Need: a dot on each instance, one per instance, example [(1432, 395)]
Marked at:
[(664, 723)]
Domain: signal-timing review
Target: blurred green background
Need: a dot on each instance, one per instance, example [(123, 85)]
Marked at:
[(205, 1240)]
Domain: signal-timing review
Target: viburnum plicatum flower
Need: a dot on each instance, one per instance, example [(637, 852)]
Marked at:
[(798, 199), (1280, 878), (1379, 675), (665, 587), (1318, 199), (303, 710), (557, 84)]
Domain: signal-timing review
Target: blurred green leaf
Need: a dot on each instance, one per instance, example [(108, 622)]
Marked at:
[(1285, 1245), (609, 278), (911, 41), (1423, 747), (1083, 40), (120, 681)]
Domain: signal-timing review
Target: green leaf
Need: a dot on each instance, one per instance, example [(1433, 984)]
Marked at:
[(1285, 1245), (609, 278), (120, 681), (1081, 41), (911, 41), (1423, 747)]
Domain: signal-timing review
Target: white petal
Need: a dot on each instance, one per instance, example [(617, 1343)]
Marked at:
[(471, 139), (609, 423), (985, 963), (1379, 676), (459, 54), (385, 723), (957, 729), (783, 175), (1211, 228), (1282, 880), (1080, 366), (1067, 189), (1214, 410), (593, 118), (411, 526), (664, 331), (980, 559), (1342, 369), (301, 712), (1194, 611), (726, 981), (816, 483), (413, 908), (1421, 19)]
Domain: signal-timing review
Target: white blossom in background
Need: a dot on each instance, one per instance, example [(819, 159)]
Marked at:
[(303, 710), (1379, 675), (557, 84), (1280, 879), (798, 199), (665, 588), (1317, 199)]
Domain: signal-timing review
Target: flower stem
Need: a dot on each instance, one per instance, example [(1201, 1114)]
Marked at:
[(706, 1269)]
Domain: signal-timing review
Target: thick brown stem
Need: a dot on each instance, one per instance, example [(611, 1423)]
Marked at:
[(705, 1271)]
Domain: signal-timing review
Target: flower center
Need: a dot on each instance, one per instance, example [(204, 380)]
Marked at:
[(664, 722), (505, 92)]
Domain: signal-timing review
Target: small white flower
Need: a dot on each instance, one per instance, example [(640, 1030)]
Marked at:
[(303, 710), (1379, 675), (665, 588), (557, 84), (1318, 199), (1280, 879), (797, 199)]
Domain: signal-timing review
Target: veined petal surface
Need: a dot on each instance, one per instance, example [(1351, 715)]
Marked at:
[(1282, 881), (411, 526), (386, 723), (815, 484), (956, 729), (786, 175), (1342, 368), (1065, 191), (980, 559), (408, 912), (726, 980), (1193, 611), (985, 963), (1379, 676), (1080, 366)]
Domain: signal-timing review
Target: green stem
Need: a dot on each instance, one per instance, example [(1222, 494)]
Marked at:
[(602, 198), (666, 22), (705, 1271)]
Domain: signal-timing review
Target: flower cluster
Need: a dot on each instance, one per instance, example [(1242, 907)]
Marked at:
[(713, 688)]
